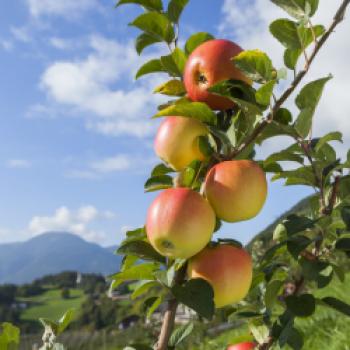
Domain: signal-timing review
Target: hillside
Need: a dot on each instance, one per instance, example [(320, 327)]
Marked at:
[(53, 252)]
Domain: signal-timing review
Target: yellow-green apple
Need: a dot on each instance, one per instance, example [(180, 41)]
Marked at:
[(242, 346), (180, 223), (209, 64), (236, 189), (177, 141), (227, 268)]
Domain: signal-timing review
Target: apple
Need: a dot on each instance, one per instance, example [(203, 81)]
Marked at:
[(177, 141), (210, 63), (242, 346), (180, 223), (227, 268), (236, 189)]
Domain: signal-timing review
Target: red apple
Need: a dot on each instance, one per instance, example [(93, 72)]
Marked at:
[(242, 346), (180, 223), (236, 189), (227, 268), (209, 64), (177, 141)]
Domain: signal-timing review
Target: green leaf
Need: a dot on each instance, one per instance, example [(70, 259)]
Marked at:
[(307, 101), (198, 295), (283, 116), (255, 64), (312, 269), (295, 224), (332, 136), (301, 306), (53, 325), (141, 249), (143, 271), (152, 66), (180, 333), (196, 110), (65, 320), (291, 56), (174, 63), (338, 305), (157, 183), (172, 87), (264, 93), (343, 244), (295, 339), (345, 214), (156, 25), (152, 5), (9, 335), (304, 122), (286, 32), (175, 9), (144, 40), (298, 8), (273, 290), (143, 287), (284, 156), (240, 93), (161, 169), (189, 174), (128, 261), (151, 305), (136, 234), (195, 40), (205, 146), (297, 244), (300, 176)]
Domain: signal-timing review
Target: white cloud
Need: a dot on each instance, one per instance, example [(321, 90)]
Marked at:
[(65, 8), (61, 44), (112, 164), (78, 222), (118, 163), (18, 164), (89, 86), (248, 24), (6, 45), (21, 34)]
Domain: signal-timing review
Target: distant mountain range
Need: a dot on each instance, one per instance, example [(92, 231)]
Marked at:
[(51, 253)]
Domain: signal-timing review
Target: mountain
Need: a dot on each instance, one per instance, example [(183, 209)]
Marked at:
[(53, 252)]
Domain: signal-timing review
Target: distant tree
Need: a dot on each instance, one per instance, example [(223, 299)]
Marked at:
[(65, 293), (7, 294), (29, 290)]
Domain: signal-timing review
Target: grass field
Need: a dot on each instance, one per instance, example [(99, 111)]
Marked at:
[(51, 305)]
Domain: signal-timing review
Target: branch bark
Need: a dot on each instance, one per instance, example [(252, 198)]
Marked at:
[(339, 16), (170, 314), (167, 325)]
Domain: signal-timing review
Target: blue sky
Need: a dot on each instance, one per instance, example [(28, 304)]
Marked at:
[(75, 127)]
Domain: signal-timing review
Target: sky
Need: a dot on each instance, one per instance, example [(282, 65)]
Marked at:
[(76, 134)]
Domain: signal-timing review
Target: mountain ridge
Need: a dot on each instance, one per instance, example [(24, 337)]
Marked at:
[(53, 252)]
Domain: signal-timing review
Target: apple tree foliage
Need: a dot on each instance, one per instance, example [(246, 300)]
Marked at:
[(306, 252)]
